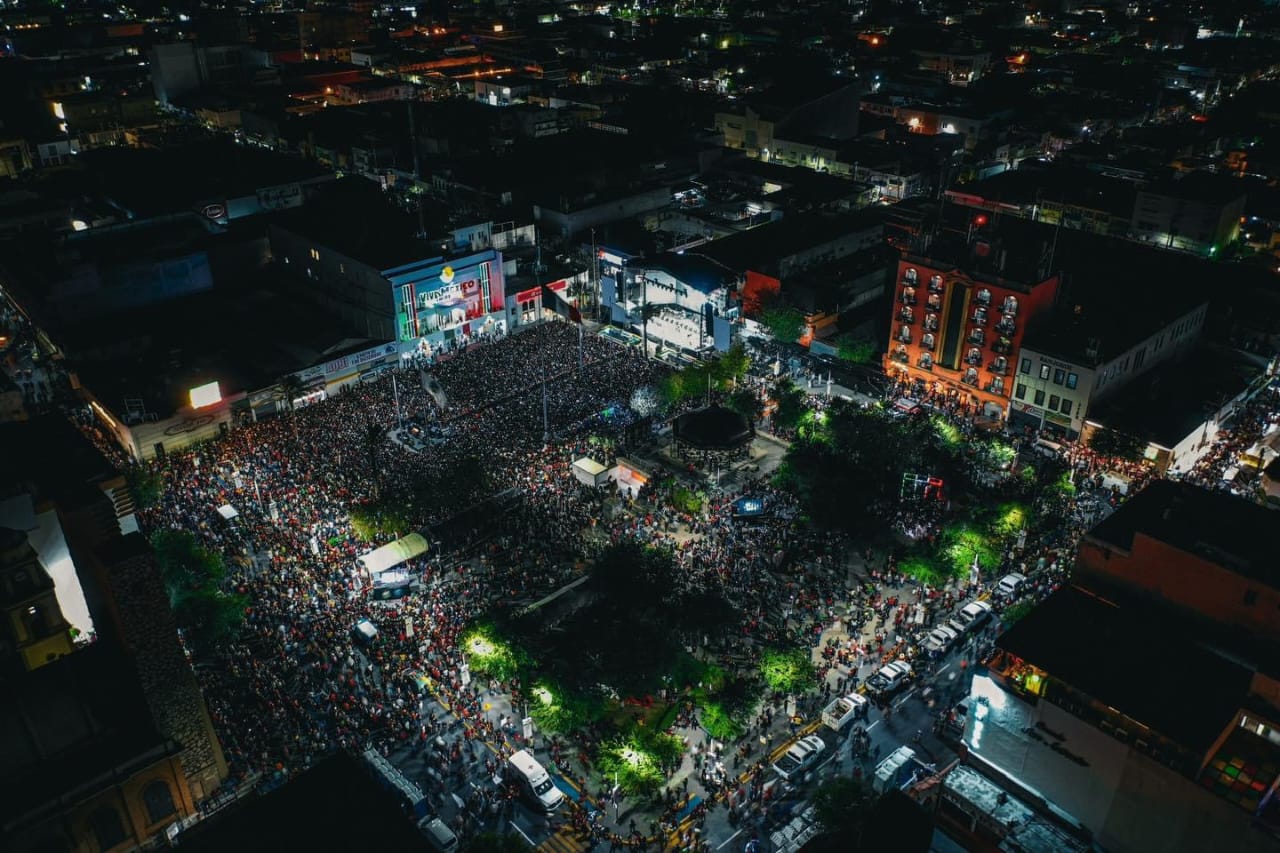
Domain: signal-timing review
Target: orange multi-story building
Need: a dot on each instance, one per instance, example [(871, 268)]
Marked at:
[(957, 331)]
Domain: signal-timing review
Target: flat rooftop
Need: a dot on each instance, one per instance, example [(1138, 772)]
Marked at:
[(1132, 661), (154, 181), (355, 218), (1175, 398), (1231, 531), (336, 805), (766, 245)]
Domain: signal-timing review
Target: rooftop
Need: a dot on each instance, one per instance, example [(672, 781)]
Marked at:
[(1227, 530), (353, 217), (1200, 187), (694, 269), (767, 245), (1133, 662), (71, 727), (1174, 398), (152, 181), (336, 805)]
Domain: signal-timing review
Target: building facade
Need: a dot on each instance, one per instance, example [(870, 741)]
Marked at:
[(958, 334), (1054, 387)]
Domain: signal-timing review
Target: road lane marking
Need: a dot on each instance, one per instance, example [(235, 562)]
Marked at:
[(873, 725), (521, 831), (730, 838)]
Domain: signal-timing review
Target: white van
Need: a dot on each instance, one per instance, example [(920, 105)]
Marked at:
[(1010, 584), (535, 780)]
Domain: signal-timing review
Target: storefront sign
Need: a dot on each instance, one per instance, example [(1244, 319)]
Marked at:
[(348, 362)]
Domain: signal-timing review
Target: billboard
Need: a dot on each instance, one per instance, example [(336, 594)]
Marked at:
[(205, 395)]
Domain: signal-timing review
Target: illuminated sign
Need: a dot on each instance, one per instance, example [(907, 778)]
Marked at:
[(205, 395), (446, 275)]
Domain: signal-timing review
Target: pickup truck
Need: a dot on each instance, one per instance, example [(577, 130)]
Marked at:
[(844, 710), (889, 678), (800, 757)]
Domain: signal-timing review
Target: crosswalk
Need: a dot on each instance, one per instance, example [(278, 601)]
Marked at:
[(566, 840)]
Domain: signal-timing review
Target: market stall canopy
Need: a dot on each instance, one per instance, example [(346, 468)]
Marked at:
[(393, 554), (713, 428)]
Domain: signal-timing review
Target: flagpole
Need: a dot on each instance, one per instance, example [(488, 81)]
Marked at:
[(395, 392)]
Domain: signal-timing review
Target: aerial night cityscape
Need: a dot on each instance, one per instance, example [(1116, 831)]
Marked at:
[(681, 426)]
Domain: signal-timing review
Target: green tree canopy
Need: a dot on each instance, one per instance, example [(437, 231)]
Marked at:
[(145, 484), (747, 403), (788, 670), (790, 404), (784, 322), (192, 575), (857, 349)]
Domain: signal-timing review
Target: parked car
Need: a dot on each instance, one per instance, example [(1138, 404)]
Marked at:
[(844, 710), (800, 757), (974, 615), (889, 678), (1010, 585), (940, 640)]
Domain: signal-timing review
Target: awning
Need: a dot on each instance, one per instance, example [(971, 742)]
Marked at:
[(589, 471), (228, 512), (393, 554), (906, 404)]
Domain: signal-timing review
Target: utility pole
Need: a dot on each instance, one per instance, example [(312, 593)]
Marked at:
[(595, 274), (580, 355)]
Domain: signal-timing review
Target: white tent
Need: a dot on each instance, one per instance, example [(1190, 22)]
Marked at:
[(393, 554), (590, 472), (228, 512)]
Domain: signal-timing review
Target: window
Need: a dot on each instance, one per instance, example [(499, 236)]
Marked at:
[(1054, 399), (1138, 358), (107, 827), (1021, 391), (1044, 371), (315, 254), (1250, 597), (342, 268), (1059, 376), (1072, 380), (1039, 399), (1025, 366), (1066, 406), (158, 801)]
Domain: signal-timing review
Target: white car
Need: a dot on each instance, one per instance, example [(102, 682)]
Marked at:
[(889, 677), (800, 757), (974, 615), (844, 710), (1010, 584), (940, 640)]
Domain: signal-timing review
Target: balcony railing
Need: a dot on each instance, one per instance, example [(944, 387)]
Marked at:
[(906, 315), (931, 324), (904, 339), (982, 299), (934, 303), (1002, 347), (901, 357), (975, 337), (1006, 327), (910, 277), (998, 368), (979, 317), (975, 360), (928, 342), (936, 285), (994, 388), (1009, 309), (925, 364), (970, 380), (908, 299)]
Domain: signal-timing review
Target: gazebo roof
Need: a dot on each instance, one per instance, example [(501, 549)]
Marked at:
[(713, 428)]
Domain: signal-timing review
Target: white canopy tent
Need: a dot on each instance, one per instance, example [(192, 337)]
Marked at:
[(393, 554), (590, 472), (228, 512)]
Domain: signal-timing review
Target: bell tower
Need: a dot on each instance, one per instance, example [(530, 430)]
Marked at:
[(34, 631)]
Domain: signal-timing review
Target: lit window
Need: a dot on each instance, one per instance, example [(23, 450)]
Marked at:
[(315, 254), (1044, 371), (1072, 380)]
